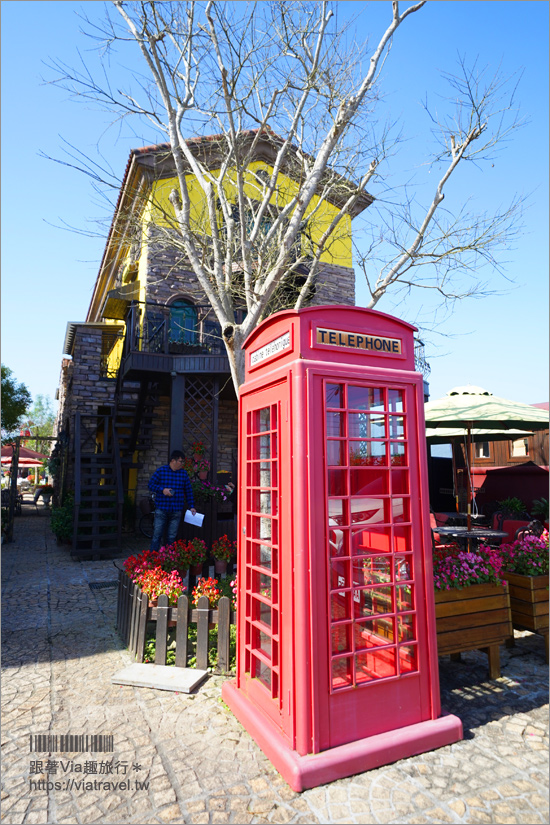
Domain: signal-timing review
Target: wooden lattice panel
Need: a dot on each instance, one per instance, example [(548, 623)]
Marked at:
[(199, 413)]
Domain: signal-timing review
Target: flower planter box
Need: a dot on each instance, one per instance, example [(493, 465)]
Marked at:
[(474, 617), (134, 612), (529, 603)]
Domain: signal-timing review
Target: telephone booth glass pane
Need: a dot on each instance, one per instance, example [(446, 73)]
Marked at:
[(369, 544), (262, 548)]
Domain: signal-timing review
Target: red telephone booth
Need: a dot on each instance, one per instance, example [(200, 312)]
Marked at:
[(337, 667)]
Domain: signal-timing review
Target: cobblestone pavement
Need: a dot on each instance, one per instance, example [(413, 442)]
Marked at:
[(60, 649)]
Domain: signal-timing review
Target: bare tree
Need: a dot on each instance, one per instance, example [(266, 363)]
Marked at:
[(279, 71), (428, 247)]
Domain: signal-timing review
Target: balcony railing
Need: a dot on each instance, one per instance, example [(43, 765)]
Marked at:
[(152, 329)]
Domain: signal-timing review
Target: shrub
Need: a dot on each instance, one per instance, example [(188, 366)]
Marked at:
[(527, 556), (62, 519)]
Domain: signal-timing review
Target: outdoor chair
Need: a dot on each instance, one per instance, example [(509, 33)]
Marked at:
[(437, 543), (511, 526), (534, 528)]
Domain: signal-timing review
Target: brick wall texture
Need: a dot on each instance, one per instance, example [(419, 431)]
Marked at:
[(82, 387)]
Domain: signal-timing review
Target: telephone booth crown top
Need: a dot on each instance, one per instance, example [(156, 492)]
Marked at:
[(343, 334)]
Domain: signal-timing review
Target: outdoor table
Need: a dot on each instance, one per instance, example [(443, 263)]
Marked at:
[(461, 518), (463, 534), (477, 517)]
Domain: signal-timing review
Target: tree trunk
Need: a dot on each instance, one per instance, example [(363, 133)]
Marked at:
[(235, 353)]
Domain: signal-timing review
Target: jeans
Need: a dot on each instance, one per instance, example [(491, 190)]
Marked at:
[(165, 520)]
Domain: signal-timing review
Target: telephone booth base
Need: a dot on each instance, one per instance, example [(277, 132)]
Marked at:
[(303, 772)]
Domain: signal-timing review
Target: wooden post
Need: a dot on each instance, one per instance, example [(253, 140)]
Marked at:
[(177, 402), (182, 627), (119, 599), (493, 653), (162, 630), (134, 619), (203, 609), (470, 478), (224, 617), (140, 642)]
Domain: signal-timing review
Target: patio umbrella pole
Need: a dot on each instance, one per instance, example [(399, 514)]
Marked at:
[(470, 479), (455, 445)]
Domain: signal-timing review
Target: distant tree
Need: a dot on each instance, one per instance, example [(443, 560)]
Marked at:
[(39, 420), (15, 401)]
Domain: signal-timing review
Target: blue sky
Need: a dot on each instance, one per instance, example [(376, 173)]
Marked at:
[(500, 343)]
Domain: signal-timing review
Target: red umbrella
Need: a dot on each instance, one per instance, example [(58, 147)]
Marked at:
[(27, 457)]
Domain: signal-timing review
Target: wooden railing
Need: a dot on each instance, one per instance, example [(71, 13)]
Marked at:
[(134, 613), (148, 329)]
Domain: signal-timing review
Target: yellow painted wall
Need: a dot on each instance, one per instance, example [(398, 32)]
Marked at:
[(338, 249), (113, 361), (158, 209)]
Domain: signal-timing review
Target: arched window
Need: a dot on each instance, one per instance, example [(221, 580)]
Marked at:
[(183, 322)]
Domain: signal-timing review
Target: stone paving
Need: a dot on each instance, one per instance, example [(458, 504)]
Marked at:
[(196, 763)]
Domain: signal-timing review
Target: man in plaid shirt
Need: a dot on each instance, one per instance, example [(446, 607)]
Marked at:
[(173, 491)]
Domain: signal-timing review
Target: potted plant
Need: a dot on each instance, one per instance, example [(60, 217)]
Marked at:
[(223, 550), (44, 490), (196, 555), (206, 587), (472, 602), (134, 566), (198, 449), (202, 466), (539, 510), (175, 556), (204, 491), (526, 569), (188, 466), (512, 507)]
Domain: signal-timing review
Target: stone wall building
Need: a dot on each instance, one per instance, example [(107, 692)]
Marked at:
[(149, 361)]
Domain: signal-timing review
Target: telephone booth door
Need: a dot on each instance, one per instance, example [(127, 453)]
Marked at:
[(264, 567), (377, 663)]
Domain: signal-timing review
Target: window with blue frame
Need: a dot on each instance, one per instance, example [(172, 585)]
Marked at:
[(183, 323)]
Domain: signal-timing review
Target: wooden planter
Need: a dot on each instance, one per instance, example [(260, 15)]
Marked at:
[(134, 612), (529, 603), (474, 617)]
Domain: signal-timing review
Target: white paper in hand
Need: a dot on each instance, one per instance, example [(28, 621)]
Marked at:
[(196, 519)]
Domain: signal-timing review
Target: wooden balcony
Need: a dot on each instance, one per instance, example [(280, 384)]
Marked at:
[(152, 347), (139, 362)]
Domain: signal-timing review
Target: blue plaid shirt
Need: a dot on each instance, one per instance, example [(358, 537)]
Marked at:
[(176, 480)]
